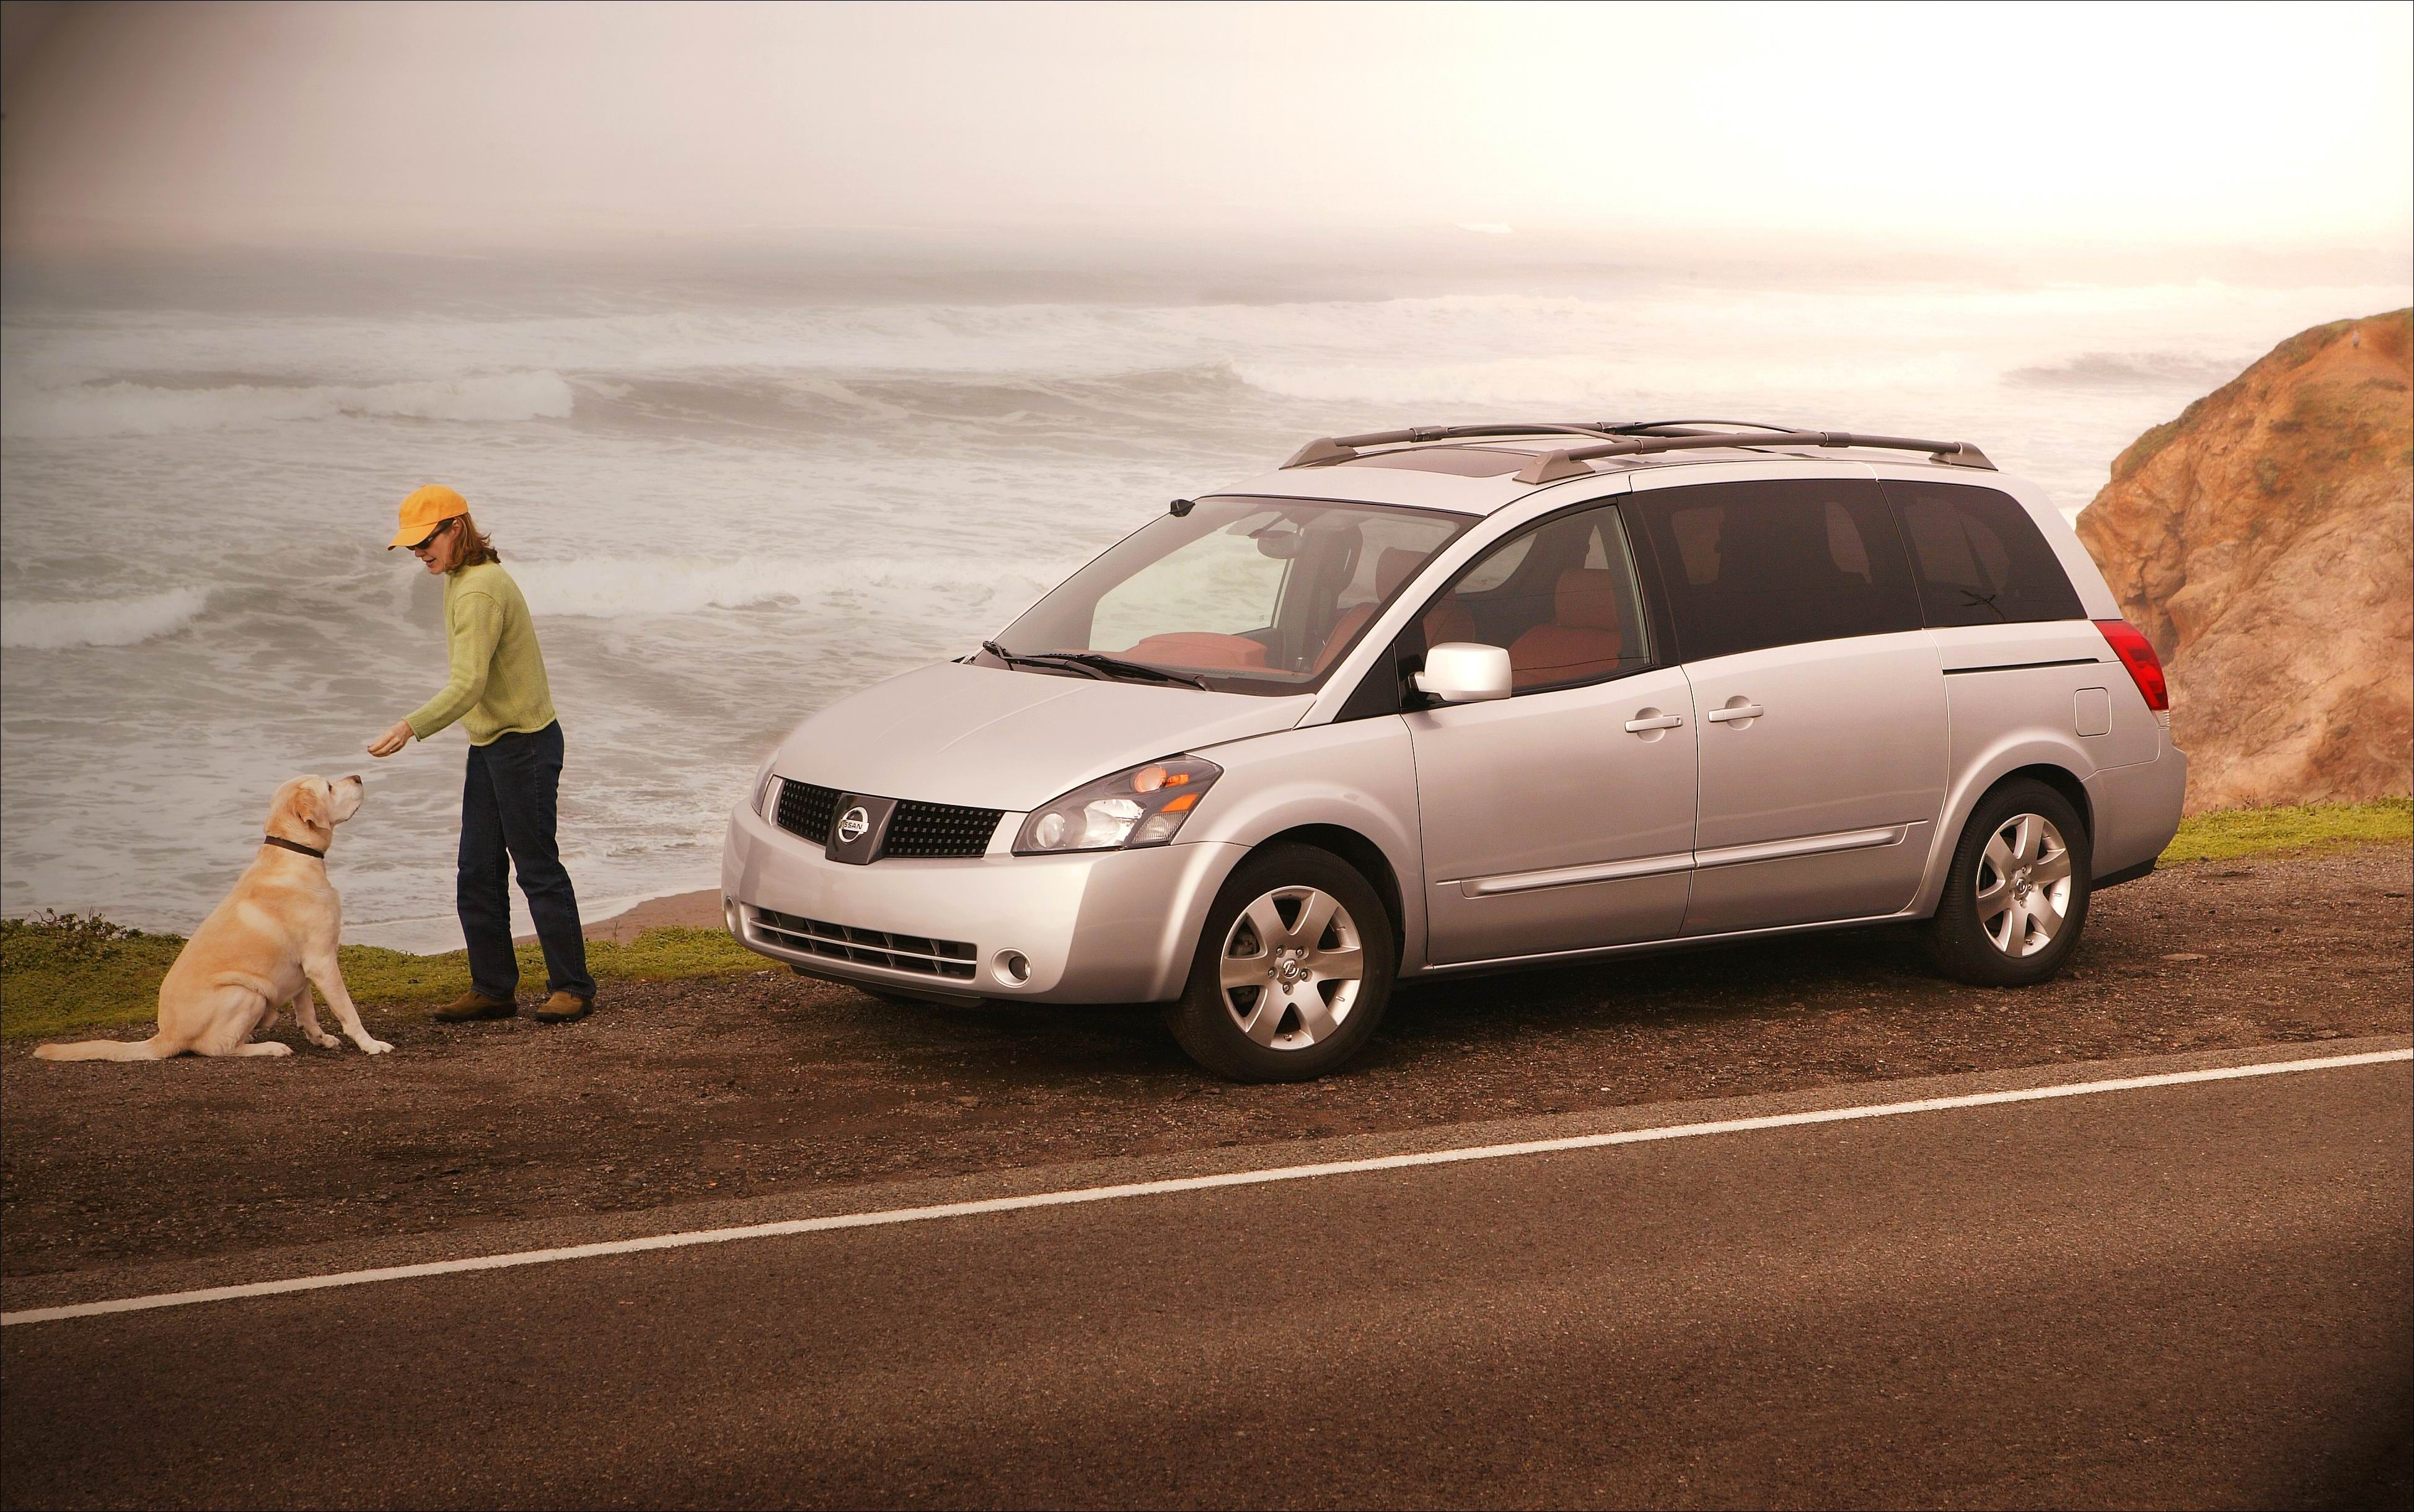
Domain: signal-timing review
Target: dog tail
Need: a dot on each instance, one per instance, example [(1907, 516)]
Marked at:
[(154, 1049)]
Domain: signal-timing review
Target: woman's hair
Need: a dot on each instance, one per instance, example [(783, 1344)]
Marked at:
[(474, 547)]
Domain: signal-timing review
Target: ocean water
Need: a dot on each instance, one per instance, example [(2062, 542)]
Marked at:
[(730, 503)]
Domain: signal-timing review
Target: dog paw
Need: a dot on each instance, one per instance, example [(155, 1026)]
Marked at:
[(325, 1042), (375, 1046), (275, 1047)]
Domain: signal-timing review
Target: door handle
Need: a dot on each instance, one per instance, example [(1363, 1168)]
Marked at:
[(1665, 721), (1741, 711)]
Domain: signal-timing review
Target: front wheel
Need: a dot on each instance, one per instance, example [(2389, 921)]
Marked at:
[(2016, 898), (1293, 970)]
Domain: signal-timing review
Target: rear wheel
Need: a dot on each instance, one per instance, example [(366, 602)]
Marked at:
[(1292, 972), (2016, 898)]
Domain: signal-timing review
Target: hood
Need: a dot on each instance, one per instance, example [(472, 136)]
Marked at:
[(988, 737)]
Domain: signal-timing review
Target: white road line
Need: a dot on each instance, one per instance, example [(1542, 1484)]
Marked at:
[(1188, 1183)]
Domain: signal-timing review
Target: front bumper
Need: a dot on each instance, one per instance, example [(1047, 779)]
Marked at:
[(1100, 926)]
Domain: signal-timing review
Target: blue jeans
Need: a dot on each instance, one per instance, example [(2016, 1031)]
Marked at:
[(507, 810)]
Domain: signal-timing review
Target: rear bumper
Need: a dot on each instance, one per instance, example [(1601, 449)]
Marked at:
[(1106, 926), (2137, 812), (2126, 874)]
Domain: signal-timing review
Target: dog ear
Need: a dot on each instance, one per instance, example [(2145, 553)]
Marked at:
[(311, 803), (286, 806)]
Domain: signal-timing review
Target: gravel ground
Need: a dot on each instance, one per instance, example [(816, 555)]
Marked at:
[(755, 1084)]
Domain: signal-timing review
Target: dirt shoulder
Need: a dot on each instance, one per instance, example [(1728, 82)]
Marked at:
[(749, 1085)]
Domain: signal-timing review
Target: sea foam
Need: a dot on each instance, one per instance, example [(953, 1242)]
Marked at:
[(73, 622)]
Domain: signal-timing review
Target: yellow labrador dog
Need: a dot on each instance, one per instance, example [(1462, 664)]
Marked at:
[(266, 946)]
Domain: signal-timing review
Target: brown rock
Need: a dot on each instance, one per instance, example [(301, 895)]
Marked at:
[(2264, 541)]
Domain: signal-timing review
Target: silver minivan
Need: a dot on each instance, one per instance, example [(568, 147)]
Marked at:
[(1469, 698)]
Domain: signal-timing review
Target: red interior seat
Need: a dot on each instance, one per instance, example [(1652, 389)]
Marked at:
[(1391, 568), (1583, 638), (1449, 621), (1197, 648)]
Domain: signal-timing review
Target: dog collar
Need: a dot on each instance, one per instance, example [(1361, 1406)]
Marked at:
[(293, 845)]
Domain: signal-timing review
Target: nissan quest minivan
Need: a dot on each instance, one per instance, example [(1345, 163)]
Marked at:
[(1470, 698)]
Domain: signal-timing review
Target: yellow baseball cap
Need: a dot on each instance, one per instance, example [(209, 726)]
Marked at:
[(423, 512)]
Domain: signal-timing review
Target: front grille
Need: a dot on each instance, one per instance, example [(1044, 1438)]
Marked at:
[(949, 958), (806, 810), (924, 831), (939, 829)]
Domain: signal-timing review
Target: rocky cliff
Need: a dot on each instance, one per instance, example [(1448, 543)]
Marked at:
[(2261, 541)]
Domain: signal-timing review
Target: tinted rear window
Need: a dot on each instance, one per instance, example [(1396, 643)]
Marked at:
[(1978, 557), (1747, 566)]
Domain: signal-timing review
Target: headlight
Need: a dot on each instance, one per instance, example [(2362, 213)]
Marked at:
[(1145, 806), (764, 786)]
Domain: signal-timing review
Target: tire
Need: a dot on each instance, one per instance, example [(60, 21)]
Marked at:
[(2026, 851), (1311, 1014)]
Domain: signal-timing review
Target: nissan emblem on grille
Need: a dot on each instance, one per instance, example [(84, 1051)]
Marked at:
[(862, 825), (858, 828)]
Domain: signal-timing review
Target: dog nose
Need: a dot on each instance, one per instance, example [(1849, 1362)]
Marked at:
[(354, 777)]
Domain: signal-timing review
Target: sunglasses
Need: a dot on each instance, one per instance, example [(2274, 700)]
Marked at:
[(433, 534)]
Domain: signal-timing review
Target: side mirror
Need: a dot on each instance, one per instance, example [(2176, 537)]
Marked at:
[(1463, 672)]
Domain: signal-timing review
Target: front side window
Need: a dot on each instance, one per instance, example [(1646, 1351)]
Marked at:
[(1748, 566), (1560, 597), (1978, 557), (1248, 595)]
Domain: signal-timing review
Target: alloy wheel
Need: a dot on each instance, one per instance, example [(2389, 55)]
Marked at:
[(1291, 967), (2023, 884)]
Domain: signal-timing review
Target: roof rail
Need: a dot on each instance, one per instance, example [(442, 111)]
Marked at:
[(1655, 426), (1570, 463), (1329, 448)]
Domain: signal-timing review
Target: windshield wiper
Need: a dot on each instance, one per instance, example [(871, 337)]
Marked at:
[(1041, 659), (1119, 667), (1104, 663), (1092, 665)]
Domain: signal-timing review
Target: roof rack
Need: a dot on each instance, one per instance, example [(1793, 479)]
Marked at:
[(1628, 437), (1570, 463), (1325, 449)]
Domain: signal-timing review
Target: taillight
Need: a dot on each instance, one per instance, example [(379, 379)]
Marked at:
[(2137, 653)]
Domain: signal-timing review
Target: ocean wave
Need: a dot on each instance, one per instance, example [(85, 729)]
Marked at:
[(74, 622), (1043, 342), (619, 587), (788, 404), (1647, 323), (2130, 370), (100, 409)]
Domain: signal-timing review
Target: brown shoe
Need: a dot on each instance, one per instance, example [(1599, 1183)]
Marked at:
[(563, 1007), (470, 1005)]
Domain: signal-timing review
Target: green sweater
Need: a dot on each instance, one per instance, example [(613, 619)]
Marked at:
[(497, 686)]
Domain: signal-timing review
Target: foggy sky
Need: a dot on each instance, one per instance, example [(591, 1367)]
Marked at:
[(424, 127)]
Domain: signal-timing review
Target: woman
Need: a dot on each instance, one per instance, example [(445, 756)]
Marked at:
[(498, 693)]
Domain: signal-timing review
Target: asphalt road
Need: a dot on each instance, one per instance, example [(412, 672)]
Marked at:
[(2199, 1294)]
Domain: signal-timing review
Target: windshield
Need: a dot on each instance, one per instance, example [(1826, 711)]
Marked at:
[(1245, 595)]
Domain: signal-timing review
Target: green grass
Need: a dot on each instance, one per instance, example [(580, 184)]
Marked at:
[(62, 973), (71, 972), (2227, 833)]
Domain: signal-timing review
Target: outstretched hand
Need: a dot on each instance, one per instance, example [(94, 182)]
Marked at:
[(392, 741)]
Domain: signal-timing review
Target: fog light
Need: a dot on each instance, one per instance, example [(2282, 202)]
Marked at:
[(729, 916), (1013, 968)]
